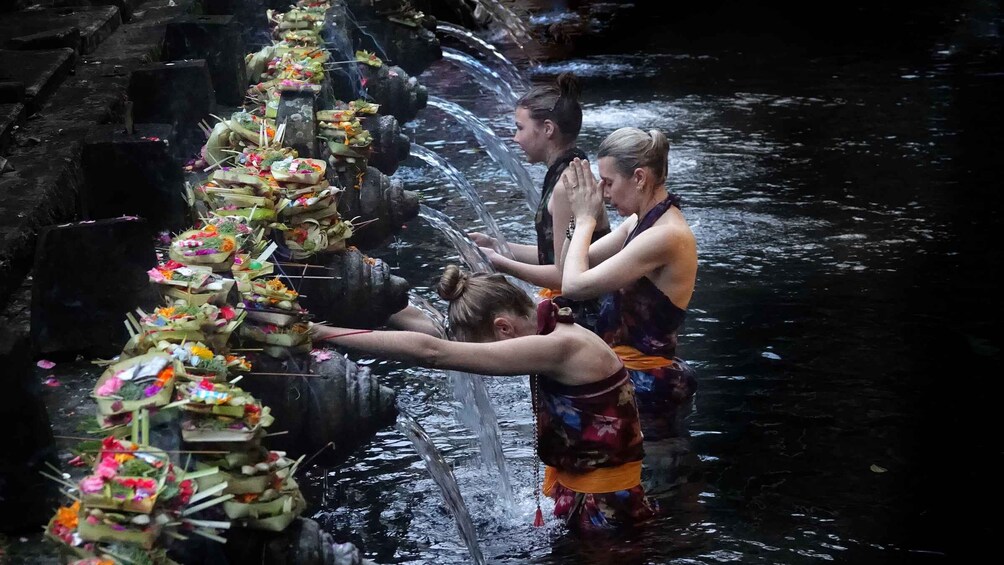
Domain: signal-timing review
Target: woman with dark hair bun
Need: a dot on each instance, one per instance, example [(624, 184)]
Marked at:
[(548, 120), (587, 429), (645, 270)]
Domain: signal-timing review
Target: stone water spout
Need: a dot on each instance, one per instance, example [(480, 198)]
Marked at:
[(401, 33), (390, 146), (398, 93), (377, 199), (303, 543), (348, 288), (318, 403)]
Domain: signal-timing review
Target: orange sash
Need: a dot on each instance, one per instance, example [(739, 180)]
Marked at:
[(637, 361), (604, 479), (549, 293)]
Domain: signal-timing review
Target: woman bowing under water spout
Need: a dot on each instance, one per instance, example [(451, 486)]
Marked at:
[(586, 418)]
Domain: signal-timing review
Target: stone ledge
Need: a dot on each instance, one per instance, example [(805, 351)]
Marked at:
[(41, 72), (10, 117), (26, 29), (46, 150), (41, 191)]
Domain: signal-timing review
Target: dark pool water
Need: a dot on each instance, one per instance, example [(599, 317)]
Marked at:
[(844, 191)]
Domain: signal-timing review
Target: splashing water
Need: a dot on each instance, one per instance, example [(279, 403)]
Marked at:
[(484, 76), (435, 316), (472, 40), (472, 256), (430, 157), (508, 20), (440, 471), (495, 147), (474, 409)]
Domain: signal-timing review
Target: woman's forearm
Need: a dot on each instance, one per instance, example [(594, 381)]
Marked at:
[(547, 276), (576, 258), (524, 253), (401, 345)]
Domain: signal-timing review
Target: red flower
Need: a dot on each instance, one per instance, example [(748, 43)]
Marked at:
[(186, 491), (206, 384)]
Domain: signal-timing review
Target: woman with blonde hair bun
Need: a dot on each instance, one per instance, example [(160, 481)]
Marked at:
[(587, 432), (645, 270)]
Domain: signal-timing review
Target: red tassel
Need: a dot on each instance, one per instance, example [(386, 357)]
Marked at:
[(538, 520)]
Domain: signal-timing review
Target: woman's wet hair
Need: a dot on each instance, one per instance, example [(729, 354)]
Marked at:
[(632, 148), (558, 102), (476, 299)]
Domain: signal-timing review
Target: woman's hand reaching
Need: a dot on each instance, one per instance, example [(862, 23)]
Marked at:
[(483, 240)]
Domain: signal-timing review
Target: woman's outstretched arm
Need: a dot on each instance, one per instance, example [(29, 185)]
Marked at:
[(517, 356)]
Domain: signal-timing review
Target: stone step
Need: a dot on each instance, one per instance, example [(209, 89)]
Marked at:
[(81, 28), (42, 190), (10, 116), (41, 72), (126, 7)]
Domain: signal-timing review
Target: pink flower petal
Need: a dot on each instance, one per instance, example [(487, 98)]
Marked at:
[(320, 355), (45, 364), (51, 381)]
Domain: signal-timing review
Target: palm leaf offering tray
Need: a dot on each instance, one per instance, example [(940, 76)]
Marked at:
[(131, 496), (126, 477), (246, 178), (361, 107), (183, 322), (253, 472), (274, 511), (194, 284), (252, 127), (220, 412), (199, 361), (310, 199), (313, 235), (144, 381), (266, 495), (295, 335), (246, 268), (262, 158), (301, 171), (348, 132), (204, 247), (250, 240), (365, 57), (297, 15), (291, 65), (304, 37), (271, 302)]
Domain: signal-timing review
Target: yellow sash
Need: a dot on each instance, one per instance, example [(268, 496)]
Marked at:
[(637, 361), (604, 479)]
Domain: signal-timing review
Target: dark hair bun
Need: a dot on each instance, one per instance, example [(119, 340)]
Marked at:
[(452, 283), (568, 85)]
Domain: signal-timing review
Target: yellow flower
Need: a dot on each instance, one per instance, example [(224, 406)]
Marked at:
[(123, 457), (165, 312), (201, 352)]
